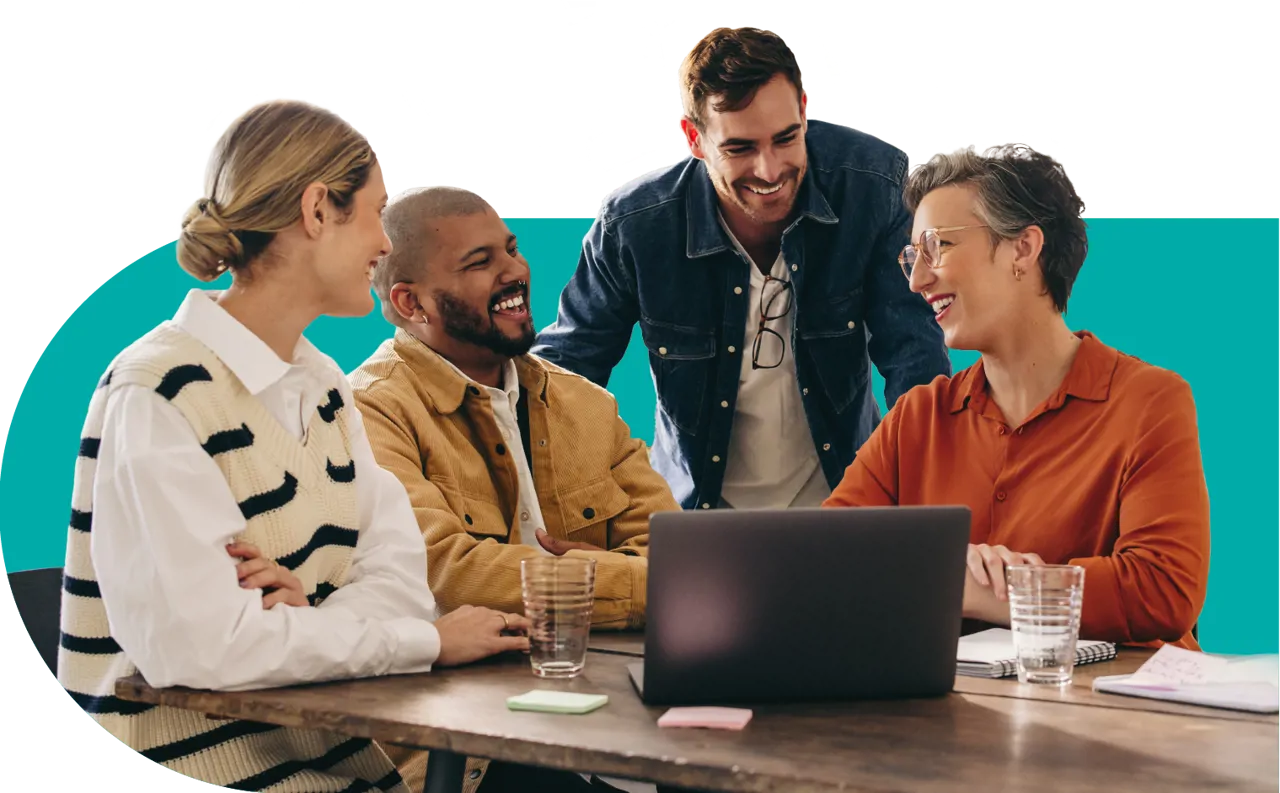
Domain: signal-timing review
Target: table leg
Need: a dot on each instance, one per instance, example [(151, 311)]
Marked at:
[(444, 772)]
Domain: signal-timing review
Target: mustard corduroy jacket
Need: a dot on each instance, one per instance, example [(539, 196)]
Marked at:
[(436, 431)]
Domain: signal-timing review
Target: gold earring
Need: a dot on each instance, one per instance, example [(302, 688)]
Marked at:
[(1017, 274)]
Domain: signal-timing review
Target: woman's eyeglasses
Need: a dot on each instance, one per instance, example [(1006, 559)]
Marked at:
[(929, 249)]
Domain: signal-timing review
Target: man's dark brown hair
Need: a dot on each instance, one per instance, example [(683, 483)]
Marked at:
[(728, 66)]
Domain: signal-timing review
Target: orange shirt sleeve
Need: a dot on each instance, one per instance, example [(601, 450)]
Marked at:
[(871, 480), (1152, 585)]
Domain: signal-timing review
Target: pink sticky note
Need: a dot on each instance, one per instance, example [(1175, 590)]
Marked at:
[(711, 718)]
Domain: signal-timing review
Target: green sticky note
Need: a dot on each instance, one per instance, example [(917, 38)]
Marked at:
[(557, 702)]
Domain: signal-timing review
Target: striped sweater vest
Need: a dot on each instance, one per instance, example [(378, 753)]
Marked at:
[(299, 505)]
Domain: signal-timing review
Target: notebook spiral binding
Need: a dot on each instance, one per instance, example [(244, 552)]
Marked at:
[(1084, 655)]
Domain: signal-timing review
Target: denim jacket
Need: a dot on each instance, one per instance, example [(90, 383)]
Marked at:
[(657, 255)]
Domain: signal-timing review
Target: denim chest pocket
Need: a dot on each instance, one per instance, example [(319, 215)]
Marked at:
[(679, 358), (833, 333)]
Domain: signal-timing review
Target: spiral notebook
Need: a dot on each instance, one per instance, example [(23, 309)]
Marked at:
[(990, 653)]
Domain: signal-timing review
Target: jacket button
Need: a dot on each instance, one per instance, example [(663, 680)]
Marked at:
[(1000, 496), (732, 349), (826, 447), (475, 773), (501, 449), (737, 290), (852, 323), (588, 513), (795, 267), (706, 506), (473, 390), (804, 391), (662, 350), (715, 458), (724, 404), (542, 442), (467, 518)]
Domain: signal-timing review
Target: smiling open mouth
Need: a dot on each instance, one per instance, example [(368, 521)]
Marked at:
[(511, 302), (755, 186)]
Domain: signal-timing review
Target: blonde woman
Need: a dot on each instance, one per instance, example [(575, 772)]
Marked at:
[(230, 529)]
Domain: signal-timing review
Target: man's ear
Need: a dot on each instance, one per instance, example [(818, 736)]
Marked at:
[(692, 137), (404, 299)]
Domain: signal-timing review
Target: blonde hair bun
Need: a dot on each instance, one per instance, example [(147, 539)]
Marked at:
[(206, 247), (255, 180)]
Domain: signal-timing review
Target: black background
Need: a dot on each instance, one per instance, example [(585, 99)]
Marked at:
[(106, 119)]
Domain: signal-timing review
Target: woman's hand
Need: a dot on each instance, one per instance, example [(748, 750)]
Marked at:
[(278, 585), (471, 633), (987, 564)]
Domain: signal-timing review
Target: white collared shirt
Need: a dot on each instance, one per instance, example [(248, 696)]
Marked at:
[(504, 401), (163, 515), (771, 461), (529, 513)]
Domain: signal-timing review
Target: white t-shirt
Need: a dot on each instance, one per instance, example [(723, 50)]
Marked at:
[(771, 462)]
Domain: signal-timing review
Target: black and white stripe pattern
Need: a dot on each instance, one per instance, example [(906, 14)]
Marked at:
[(343, 474), (281, 489), (329, 411), (225, 441)]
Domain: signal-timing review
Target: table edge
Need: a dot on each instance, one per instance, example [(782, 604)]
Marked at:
[(670, 770)]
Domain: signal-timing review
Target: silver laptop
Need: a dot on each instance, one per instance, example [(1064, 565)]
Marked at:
[(757, 606)]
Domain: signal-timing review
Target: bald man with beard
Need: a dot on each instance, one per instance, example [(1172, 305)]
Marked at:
[(505, 456)]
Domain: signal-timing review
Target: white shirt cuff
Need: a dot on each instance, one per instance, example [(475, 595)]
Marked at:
[(417, 645)]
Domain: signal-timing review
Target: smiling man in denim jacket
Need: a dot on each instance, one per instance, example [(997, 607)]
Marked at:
[(763, 272)]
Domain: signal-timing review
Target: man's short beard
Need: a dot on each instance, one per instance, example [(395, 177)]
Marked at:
[(461, 322)]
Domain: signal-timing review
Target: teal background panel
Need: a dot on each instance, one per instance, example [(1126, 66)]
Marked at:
[(1157, 289)]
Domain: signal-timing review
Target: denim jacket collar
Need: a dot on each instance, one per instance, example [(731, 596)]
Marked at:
[(705, 236)]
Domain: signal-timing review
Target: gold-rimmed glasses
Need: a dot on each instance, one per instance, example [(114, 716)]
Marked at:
[(929, 249)]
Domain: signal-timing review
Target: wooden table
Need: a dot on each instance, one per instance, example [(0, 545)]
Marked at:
[(961, 742), (620, 642), (1080, 692)]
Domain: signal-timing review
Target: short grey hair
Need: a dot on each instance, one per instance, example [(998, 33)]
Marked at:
[(407, 223), (1016, 187)]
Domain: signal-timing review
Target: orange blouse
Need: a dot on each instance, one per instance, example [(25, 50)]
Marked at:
[(1105, 474)]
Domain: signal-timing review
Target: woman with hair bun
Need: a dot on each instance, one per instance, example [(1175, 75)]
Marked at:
[(230, 528)]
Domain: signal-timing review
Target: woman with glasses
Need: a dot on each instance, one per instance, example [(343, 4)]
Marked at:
[(1065, 450)]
